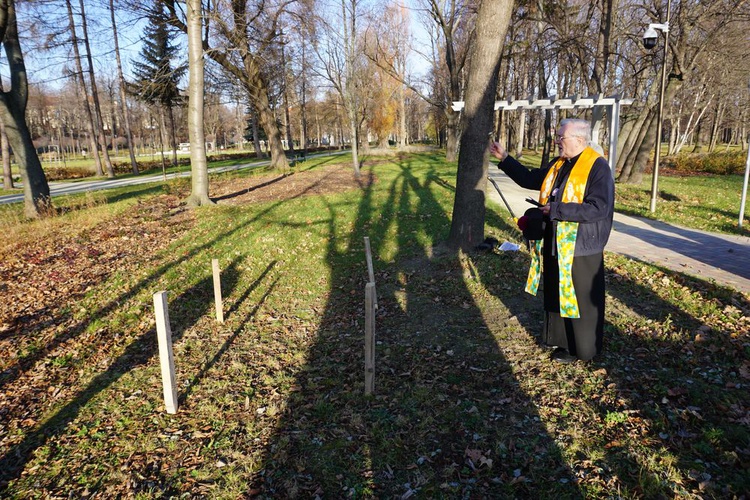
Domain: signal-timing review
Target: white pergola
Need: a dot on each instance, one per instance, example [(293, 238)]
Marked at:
[(611, 103)]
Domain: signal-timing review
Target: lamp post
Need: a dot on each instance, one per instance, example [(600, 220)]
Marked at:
[(649, 41)]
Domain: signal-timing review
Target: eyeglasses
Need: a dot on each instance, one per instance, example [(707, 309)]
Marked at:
[(560, 138)]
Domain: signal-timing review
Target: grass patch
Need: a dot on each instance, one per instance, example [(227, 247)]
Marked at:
[(709, 203), (467, 403)]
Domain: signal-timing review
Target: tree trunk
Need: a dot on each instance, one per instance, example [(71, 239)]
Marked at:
[(451, 134), (95, 96), (85, 91), (467, 225), (628, 138), (196, 88), (173, 134), (697, 143), (355, 144), (639, 133), (285, 100), (644, 150), (13, 102), (402, 108), (123, 100), (715, 128), (521, 119), (303, 106), (258, 91), (256, 133), (162, 132), (5, 149), (248, 73)]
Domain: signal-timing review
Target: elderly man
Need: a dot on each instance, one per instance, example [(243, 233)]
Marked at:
[(576, 193)]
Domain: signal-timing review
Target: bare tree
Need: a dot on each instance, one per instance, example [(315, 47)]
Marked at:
[(338, 54), (123, 98), (78, 77), (13, 102), (387, 45), (98, 123), (694, 31), (244, 33), (5, 151)]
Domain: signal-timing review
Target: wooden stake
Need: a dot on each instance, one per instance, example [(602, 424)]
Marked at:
[(164, 334), (369, 339), (370, 271), (217, 291)]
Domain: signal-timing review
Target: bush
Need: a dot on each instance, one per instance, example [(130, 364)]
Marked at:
[(730, 162), (65, 173)]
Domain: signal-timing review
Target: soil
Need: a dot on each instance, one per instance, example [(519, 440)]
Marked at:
[(275, 187)]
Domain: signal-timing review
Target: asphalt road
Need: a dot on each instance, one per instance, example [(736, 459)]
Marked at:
[(68, 187)]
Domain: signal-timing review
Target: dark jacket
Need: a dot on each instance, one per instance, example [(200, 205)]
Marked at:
[(594, 215)]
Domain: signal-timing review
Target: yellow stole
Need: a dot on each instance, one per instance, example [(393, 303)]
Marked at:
[(566, 233)]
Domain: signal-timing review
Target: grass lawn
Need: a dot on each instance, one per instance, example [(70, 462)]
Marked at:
[(709, 203), (466, 404)]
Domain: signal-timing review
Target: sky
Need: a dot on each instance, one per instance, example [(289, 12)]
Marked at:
[(47, 68)]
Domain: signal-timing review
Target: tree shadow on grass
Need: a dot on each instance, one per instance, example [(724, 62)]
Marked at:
[(137, 352), (194, 380), (448, 418), (680, 377), (24, 363), (185, 310), (252, 188), (647, 406)]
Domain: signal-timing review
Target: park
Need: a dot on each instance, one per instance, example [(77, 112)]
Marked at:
[(329, 335)]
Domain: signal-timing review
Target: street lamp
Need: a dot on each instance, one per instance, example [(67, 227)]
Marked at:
[(649, 42)]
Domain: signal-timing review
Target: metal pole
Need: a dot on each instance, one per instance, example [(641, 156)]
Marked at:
[(657, 148), (744, 185), (614, 128), (497, 188)]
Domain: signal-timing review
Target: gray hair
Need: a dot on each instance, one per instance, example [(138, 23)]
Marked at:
[(578, 128)]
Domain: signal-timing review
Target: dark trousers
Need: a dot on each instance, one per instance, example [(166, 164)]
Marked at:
[(583, 336)]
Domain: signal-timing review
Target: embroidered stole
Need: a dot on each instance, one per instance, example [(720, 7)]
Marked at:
[(566, 233)]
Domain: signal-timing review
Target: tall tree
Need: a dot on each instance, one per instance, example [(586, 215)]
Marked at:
[(95, 93), (196, 85), (453, 20), (387, 45), (5, 151), (81, 81), (123, 97), (467, 225), (157, 75), (13, 103), (695, 29), (244, 33), (339, 55)]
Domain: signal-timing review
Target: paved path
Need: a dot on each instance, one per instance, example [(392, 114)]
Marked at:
[(73, 187), (711, 256)]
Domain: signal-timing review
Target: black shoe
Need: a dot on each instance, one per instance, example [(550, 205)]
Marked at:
[(562, 356)]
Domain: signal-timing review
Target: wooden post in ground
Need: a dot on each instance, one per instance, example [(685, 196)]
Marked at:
[(369, 338), (217, 291), (370, 271), (164, 334)]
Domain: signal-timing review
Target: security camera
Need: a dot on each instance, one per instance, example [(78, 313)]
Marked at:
[(650, 37)]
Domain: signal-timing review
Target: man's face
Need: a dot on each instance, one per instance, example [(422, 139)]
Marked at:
[(568, 145)]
